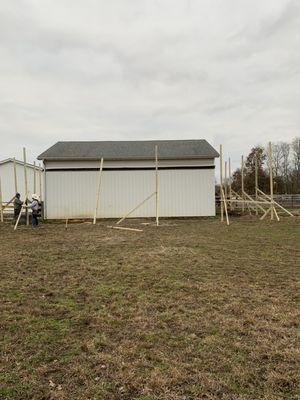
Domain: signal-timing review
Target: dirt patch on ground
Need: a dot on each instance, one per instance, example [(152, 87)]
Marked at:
[(190, 310)]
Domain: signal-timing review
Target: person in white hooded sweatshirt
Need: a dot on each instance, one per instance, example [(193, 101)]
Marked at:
[(34, 205)]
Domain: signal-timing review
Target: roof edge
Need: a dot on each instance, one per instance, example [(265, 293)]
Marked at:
[(127, 158)]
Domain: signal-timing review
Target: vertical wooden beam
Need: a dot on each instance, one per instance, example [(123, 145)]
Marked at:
[(242, 182), (225, 181), (34, 177), (156, 186), (1, 204), (256, 181), (25, 181), (271, 180), (221, 183), (98, 191), (229, 176), (40, 181), (15, 175)]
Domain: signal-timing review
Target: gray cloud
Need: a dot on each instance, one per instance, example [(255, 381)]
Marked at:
[(227, 71)]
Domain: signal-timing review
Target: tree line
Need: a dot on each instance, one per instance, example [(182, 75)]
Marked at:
[(286, 168)]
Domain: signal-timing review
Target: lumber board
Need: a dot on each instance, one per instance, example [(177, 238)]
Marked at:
[(123, 228)]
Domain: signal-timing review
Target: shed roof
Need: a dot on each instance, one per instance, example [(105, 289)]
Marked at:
[(128, 150), (11, 160)]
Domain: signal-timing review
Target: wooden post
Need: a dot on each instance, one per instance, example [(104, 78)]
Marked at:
[(221, 182), (34, 177), (1, 205), (242, 183), (229, 173), (225, 205), (225, 181), (271, 180), (98, 191), (15, 176), (40, 181), (256, 181), (156, 186), (26, 187)]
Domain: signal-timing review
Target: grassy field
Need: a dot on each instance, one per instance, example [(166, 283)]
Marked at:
[(190, 310)]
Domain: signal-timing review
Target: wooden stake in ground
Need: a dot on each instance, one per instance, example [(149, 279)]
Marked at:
[(26, 185), (1, 205), (242, 182), (156, 185), (221, 182), (15, 175), (271, 180), (98, 191)]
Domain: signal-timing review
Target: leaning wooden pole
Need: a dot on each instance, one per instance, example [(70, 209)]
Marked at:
[(221, 183), (271, 180), (98, 191), (225, 205), (19, 216), (242, 182), (135, 208), (26, 184), (156, 187), (15, 175)]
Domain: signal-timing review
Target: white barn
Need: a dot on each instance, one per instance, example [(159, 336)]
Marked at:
[(9, 184), (186, 178)]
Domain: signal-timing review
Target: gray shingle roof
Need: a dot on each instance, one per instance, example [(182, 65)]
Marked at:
[(127, 150)]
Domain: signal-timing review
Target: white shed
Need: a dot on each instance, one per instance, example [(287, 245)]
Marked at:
[(10, 181), (186, 178)]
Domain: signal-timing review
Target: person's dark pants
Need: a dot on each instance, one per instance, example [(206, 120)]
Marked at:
[(35, 220), (16, 215)]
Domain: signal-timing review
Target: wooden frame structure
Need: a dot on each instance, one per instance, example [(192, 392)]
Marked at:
[(260, 202), (37, 180)]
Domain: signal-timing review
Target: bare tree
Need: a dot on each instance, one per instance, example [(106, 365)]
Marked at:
[(296, 163), (285, 164), (277, 156)]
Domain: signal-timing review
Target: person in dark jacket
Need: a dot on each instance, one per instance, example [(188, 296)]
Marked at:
[(34, 205), (17, 206)]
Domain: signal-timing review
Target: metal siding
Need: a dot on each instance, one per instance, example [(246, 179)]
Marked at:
[(71, 194)]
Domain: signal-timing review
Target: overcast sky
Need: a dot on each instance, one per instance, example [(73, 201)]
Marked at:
[(224, 70)]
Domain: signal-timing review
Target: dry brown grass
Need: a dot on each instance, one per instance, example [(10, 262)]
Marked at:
[(191, 310)]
